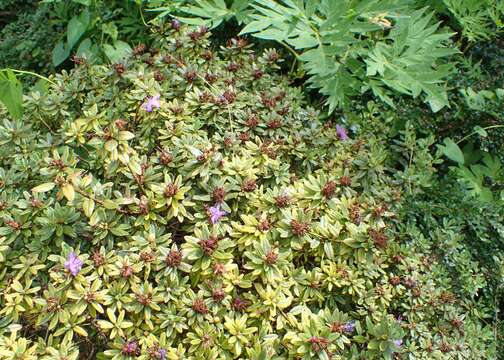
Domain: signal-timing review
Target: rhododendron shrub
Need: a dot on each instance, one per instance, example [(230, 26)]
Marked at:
[(186, 204)]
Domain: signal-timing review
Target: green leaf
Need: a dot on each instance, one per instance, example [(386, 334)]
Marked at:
[(83, 2), (41, 86), (43, 187), (125, 136), (88, 206), (11, 93), (68, 192), (84, 48), (480, 131), (109, 204), (452, 151), (77, 26), (209, 12), (60, 53), (110, 29), (117, 52)]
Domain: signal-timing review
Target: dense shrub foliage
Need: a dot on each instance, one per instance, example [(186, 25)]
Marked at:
[(26, 43), (186, 204)]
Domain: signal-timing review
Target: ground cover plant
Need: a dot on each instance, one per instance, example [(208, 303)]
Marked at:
[(185, 204), (176, 194)]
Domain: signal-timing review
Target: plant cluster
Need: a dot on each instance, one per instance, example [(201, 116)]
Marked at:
[(184, 203), (95, 29), (347, 48), (26, 43)]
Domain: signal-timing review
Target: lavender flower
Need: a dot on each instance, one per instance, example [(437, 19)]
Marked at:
[(161, 354), (130, 348), (398, 343), (342, 133), (349, 327), (151, 103), (175, 24), (73, 264), (216, 213)]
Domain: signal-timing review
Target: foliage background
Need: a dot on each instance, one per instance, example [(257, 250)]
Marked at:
[(438, 139)]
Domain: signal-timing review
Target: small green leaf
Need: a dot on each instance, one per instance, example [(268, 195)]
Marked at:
[(85, 49), (125, 136), (110, 29), (452, 151), (88, 206), (480, 131), (109, 204)]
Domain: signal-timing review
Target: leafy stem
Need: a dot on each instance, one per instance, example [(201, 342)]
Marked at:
[(476, 132), (31, 73)]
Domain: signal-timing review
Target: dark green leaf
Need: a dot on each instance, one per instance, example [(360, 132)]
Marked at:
[(60, 53), (452, 151), (76, 28)]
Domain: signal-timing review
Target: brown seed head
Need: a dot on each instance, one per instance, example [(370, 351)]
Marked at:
[(329, 189), (239, 304), (209, 245), (248, 185), (299, 228), (218, 194), (126, 271), (170, 190), (199, 306), (119, 68), (345, 181), (174, 258)]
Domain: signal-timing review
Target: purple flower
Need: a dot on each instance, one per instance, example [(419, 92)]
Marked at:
[(175, 24), (151, 103), (349, 327), (398, 343), (73, 264), (216, 213), (161, 354), (130, 348), (342, 133)]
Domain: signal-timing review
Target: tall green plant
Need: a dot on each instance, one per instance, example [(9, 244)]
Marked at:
[(350, 47), (347, 48), (478, 19)]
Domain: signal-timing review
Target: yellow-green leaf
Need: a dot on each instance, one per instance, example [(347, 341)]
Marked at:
[(88, 206), (109, 204), (43, 187), (68, 191), (125, 136)]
